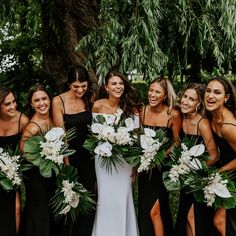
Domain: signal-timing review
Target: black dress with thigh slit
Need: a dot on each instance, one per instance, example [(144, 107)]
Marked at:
[(84, 162)]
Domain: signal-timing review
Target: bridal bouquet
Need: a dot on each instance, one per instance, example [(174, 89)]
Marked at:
[(184, 161), (111, 136), (48, 150), (149, 150), (10, 170), (70, 196)]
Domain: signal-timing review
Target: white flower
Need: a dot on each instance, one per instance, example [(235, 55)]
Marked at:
[(195, 164), (129, 122), (216, 186), (52, 151), (97, 128), (104, 149), (177, 170), (146, 141), (9, 165), (197, 150), (70, 197), (54, 134), (149, 132)]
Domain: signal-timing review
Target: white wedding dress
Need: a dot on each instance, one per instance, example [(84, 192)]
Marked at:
[(115, 214)]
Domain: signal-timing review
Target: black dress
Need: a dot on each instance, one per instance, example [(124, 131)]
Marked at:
[(84, 163), (8, 199), (227, 154), (203, 215), (150, 189), (37, 219)]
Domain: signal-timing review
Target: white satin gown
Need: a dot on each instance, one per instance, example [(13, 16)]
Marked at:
[(115, 214)]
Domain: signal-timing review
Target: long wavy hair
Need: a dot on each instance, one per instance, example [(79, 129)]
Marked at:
[(129, 99), (200, 90), (169, 91), (80, 73), (229, 90)]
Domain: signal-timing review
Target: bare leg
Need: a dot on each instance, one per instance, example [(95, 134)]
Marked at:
[(190, 227), (220, 221), (18, 211), (157, 220)]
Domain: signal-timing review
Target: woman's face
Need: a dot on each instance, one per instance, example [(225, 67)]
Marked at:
[(79, 88), (189, 101), (8, 106), (40, 102), (156, 94), (215, 96), (115, 87)]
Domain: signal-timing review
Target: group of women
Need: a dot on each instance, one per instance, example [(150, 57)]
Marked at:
[(206, 112)]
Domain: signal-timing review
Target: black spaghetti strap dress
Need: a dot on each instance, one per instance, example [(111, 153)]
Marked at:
[(227, 154), (37, 218), (8, 199), (203, 215), (84, 163), (150, 189)]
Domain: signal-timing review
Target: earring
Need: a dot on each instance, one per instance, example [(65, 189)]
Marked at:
[(225, 101)]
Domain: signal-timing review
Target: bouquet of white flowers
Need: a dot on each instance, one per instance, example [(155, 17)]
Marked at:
[(189, 169), (10, 170), (70, 196), (149, 150), (188, 158), (47, 151), (111, 136)]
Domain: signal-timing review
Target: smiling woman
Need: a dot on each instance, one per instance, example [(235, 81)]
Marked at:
[(72, 109), (12, 123)]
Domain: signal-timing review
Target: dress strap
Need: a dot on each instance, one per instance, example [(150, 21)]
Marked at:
[(228, 124), (198, 123), (62, 104), (19, 128), (144, 111), (36, 125)]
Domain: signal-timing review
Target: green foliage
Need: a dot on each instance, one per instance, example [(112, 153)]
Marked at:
[(127, 38)]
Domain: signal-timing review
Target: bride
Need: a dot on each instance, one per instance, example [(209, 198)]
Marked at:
[(115, 213)]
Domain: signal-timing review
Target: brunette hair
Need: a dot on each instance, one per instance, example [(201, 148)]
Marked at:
[(200, 90), (229, 90), (129, 99), (80, 73), (38, 87), (4, 91)]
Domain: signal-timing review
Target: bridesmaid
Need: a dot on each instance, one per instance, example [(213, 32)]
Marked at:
[(154, 212), (36, 215), (220, 100), (12, 123), (115, 214), (73, 109), (195, 126)]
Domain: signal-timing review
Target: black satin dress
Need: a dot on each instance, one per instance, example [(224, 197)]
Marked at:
[(8, 199), (37, 219), (84, 163), (150, 189), (203, 215), (227, 154)]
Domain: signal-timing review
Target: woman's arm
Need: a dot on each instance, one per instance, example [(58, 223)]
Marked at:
[(176, 125), (208, 138), (30, 130), (57, 112)]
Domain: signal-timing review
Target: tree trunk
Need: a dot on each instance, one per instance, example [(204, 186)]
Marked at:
[(64, 23), (195, 61)]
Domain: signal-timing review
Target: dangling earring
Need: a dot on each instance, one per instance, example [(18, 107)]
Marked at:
[(196, 108)]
